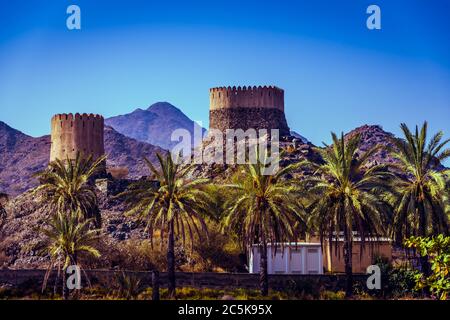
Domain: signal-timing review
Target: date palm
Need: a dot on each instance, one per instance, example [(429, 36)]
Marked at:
[(67, 186), (421, 190), (265, 210), (66, 239), (176, 206), (346, 197)]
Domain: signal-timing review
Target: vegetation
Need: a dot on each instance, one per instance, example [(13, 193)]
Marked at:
[(66, 187), (437, 249), (128, 286), (421, 194), (346, 197), (176, 206), (66, 239), (264, 211)]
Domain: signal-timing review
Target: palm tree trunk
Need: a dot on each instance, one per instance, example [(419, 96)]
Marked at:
[(171, 260), (263, 277), (155, 285), (348, 261), (65, 293), (424, 263), (75, 262)]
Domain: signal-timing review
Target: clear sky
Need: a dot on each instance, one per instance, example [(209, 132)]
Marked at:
[(336, 73)]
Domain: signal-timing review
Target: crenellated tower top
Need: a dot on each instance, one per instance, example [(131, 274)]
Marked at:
[(73, 133), (269, 97)]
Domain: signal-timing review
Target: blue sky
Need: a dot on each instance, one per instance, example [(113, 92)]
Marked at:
[(336, 73)]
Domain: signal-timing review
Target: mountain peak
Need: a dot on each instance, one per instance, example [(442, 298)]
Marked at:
[(161, 105), (371, 135), (153, 125), (164, 108)]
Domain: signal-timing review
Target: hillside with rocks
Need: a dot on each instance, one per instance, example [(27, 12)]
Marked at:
[(21, 156), (373, 135)]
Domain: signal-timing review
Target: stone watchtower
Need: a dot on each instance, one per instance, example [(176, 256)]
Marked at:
[(247, 107), (76, 133)]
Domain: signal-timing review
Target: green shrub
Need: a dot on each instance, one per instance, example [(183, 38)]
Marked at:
[(437, 249)]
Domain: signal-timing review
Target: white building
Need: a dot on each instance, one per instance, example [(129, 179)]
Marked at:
[(295, 258)]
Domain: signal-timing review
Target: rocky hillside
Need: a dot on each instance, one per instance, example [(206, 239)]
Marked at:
[(21, 156), (20, 243), (372, 135), (153, 125)]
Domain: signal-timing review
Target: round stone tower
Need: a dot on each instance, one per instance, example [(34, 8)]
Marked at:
[(247, 107), (76, 133)]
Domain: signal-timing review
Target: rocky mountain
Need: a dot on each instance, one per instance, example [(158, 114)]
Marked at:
[(153, 125), (21, 156), (372, 135), (299, 136)]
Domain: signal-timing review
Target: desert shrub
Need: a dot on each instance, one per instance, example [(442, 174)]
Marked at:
[(128, 255), (396, 282), (135, 254), (332, 295), (401, 283), (220, 253), (127, 286)]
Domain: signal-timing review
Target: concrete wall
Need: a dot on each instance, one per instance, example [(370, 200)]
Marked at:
[(76, 133), (300, 258), (361, 259), (29, 278)]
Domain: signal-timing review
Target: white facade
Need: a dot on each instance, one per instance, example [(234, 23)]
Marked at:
[(295, 258)]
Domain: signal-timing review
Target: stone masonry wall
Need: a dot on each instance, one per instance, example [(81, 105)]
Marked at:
[(34, 278), (76, 133), (247, 107)]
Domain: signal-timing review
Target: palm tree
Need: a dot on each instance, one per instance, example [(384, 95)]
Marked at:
[(345, 197), (421, 189), (177, 205), (66, 186), (66, 238), (265, 210)]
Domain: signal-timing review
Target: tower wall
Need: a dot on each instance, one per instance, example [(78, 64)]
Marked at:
[(247, 107), (76, 133)]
